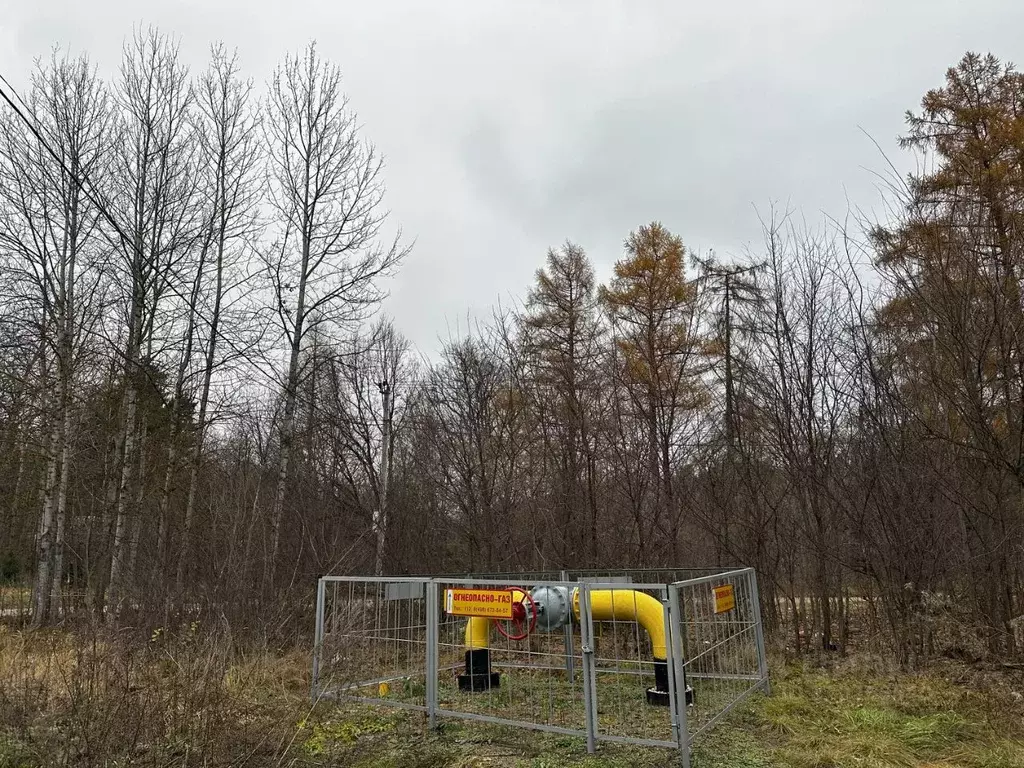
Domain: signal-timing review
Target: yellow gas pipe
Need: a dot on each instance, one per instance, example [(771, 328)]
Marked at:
[(478, 633), (478, 675), (628, 605), (478, 629), (605, 605)]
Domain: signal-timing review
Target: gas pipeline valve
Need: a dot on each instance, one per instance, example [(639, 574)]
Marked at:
[(553, 607)]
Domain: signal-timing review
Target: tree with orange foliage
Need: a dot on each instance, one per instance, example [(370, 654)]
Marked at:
[(654, 314), (954, 263)]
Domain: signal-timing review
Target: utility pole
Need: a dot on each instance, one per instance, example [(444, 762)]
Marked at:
[(380, 518)]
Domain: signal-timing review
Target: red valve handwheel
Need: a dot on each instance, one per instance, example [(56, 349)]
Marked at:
[(524, 618)]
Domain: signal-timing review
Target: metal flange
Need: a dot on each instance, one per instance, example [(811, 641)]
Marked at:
[(553, 607)]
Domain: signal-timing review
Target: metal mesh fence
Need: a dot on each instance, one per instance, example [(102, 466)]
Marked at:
[(606, 656), (533, 680), (629, 633), (372, 640), (720, 644), (644, 575), (16, 603)]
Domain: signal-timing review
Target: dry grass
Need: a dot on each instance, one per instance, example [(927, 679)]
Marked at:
[(14, 597), (194, 698), (187, 697)]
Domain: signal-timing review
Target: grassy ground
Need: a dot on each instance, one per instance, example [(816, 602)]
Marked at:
[(191, 700), (854, 716), (847, 716)]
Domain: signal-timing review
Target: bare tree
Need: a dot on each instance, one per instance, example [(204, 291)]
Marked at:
[(362, 415), (801, 388), (474, 450), (153, 194), (327, 193), (230, 162), (52, 226)]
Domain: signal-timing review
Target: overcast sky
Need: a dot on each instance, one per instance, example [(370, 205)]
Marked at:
[(511, 126)]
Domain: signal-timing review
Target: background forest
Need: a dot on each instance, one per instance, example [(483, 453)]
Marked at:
[(202, 409)]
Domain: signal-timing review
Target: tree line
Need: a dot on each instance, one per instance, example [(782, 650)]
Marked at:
[(200, 404)]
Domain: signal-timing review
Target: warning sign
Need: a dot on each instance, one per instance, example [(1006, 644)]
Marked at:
[(725, 600), (488, 603)]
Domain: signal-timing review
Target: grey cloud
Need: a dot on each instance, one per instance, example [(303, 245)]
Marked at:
[(509, 127)]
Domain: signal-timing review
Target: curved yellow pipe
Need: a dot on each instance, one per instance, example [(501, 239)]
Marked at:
[(605, 605), (627, 605)]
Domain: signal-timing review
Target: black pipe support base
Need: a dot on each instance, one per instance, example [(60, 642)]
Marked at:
[(485, 682), (478, 675), (658, 698), (658, 695)]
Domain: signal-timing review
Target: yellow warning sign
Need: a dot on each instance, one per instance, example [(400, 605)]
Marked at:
[(725, 599), (488, 603)]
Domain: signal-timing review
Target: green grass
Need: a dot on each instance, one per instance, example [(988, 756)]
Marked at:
[(375, 737), (841, 718), (847, 719)]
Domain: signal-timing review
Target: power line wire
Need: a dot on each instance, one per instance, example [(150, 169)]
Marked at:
[(74, 177)]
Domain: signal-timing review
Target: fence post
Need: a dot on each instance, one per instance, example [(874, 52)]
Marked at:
[(589, 675), (671, 662), (432, 652), (762, 656), (678, 673), (318, 636), (570, 672)]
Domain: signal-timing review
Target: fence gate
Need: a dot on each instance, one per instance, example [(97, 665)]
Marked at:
[(607, 657), (719, 646)]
